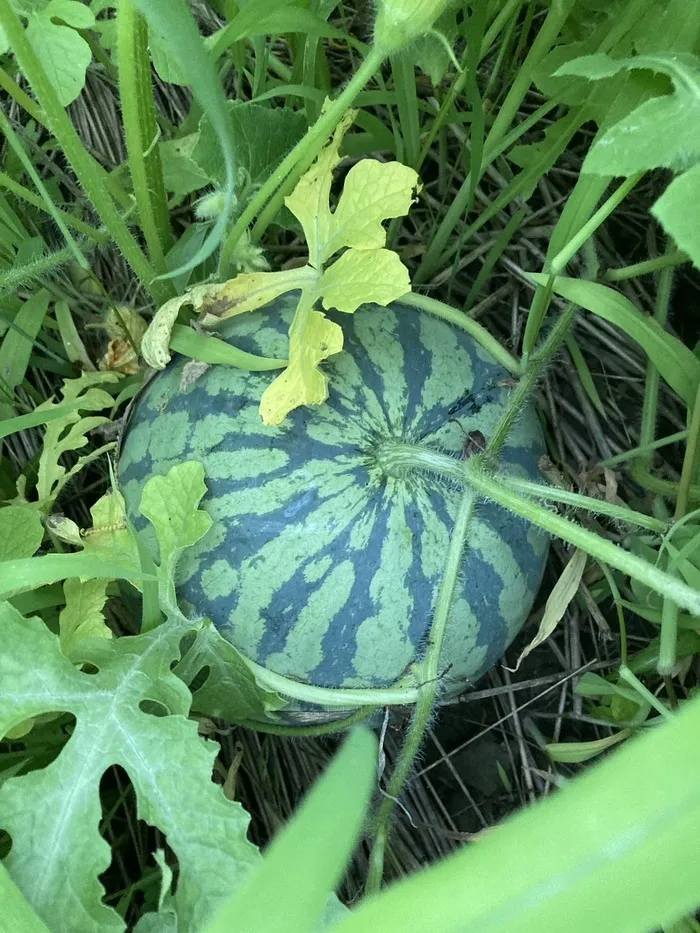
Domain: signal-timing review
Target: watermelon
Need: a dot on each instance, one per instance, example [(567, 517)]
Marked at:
[(320, 567)]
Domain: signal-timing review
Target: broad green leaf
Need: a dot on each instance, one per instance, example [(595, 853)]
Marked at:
[(563, 863), (675, 362), (673, 212), (181, 174), (21, 532), (662, 131), (230, 691), (262, 137), (271, 17), (165, 61), (312, 338), (108, 538), (63, 53), (17, 915), (24, 574), (82, 616), (430, 53), (170, 504), (288, 892), (53, 814), (362, 276), (70, 433)]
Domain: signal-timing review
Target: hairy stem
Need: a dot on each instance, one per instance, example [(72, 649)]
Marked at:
[(270, 197), (83, 164), (140, 131)]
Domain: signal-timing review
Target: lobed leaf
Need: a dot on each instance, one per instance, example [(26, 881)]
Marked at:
[(673, 213), (21, 532), (53, 814), (82, 616), (361, 277)]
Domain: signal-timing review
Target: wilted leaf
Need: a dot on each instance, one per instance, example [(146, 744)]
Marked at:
[(558, 601)]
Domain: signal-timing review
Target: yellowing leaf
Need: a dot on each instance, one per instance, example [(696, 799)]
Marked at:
[(245, 292), (312, 338), (82, 615), (309, 202), (562, 593), (362, 276), (373, 192)]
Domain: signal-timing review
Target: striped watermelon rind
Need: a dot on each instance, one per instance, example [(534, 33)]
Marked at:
[(319, 567)]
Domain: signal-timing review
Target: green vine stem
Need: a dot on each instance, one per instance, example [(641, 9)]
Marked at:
[(268, 200), (428, 692), (430, 666), (476, 330), (396, 459), (675, 257), (140, 131), (83, 164)]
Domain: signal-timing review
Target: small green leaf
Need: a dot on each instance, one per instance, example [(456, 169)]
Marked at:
[(170, 504), (181, 174), (208, 349), (82, 617), (673, 213), (70, 433), (364, 276), (576, 752), (63, 53), (21, 532)]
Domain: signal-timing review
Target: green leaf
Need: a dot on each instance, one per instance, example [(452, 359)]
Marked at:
[(53, 814), (21, 532), (16, 912), (21, 575), (675, 362), (170, 504), (181, 174), (577, 752), (230, 691), (70, 433), (208, 349), (288, 892), (82, 617), (673, 213), (262, 136), (63, 53), (663, 131), (563, 863)]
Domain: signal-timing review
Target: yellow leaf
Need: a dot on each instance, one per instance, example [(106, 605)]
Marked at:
[(363, 276), (310, 200), (312, 338), (215, 302), (562, 593), (373, 192)]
